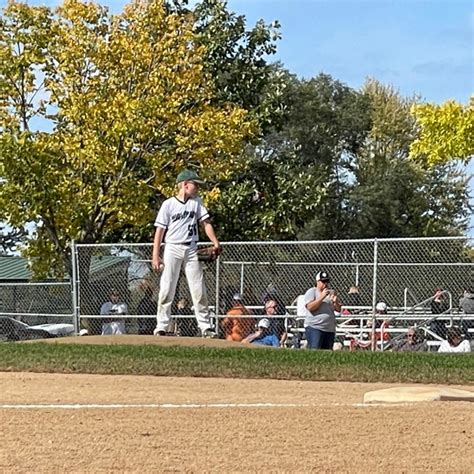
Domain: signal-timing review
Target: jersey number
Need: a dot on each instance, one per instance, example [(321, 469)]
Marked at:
[(192, 230)]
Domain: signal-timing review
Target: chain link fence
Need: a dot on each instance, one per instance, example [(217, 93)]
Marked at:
[(30, 310), (116, 287), (420, 281)]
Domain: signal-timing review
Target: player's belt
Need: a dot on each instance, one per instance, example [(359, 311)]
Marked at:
[(179, 243)]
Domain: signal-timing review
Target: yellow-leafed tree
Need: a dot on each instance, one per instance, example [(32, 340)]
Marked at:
[(98, 114), (446, 132)]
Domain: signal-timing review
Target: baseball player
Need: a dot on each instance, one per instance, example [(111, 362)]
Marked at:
[(177, 226)]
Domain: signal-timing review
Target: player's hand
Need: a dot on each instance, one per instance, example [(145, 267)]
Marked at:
[(156, 264)]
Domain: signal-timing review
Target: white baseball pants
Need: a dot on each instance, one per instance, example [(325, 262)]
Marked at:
[(174, 256), (114, 328)]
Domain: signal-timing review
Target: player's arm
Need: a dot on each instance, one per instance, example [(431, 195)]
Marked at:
[(156, 261), (209, 230)]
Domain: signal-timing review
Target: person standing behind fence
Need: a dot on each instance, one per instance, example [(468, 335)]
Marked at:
[(177, 226), (320, 320), (439, 305), (113, 326)]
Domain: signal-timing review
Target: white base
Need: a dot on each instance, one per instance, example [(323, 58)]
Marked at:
[(418, 394)]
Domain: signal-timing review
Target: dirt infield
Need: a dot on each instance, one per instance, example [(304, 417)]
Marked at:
[(312, 426)]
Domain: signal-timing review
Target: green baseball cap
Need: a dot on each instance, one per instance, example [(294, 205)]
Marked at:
[(188, 175)]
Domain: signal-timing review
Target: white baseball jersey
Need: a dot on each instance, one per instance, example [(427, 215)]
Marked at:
[(180, 219)]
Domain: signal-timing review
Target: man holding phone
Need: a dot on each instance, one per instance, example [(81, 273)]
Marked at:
[(320, 320)]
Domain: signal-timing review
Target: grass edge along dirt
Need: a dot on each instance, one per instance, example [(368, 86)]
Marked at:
[(182, 361)]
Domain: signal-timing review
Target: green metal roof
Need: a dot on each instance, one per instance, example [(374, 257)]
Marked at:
[(101, 263), (16, 268)]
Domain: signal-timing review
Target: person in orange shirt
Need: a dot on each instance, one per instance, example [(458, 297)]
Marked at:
[(235, 328)]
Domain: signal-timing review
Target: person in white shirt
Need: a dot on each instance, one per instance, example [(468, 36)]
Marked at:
[(111, 326), (177, 226), (454, 342)]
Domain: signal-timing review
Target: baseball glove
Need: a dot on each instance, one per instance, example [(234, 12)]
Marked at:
[(209, 254)]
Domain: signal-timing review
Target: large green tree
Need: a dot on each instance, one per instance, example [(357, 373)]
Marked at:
[(235, 56), (295, 177), (392, 195), (339, 166)]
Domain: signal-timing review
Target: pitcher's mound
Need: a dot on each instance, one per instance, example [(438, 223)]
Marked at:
[(418, 394)]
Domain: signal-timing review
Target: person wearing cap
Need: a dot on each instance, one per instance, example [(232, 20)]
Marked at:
[(177, 227), (236, 326), (113, 326), (277, 324), (320, 320), (263, 336)]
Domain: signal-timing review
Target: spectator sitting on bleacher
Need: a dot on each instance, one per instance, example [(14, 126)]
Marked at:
[(277, 325), (263, 335), (454, 342), (380, 332), (414, 341), (381, 309), (466, 303), (113, 326), (271, 293), (235, 328), (353, 299)]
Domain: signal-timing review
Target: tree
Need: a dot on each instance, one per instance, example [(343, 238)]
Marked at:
[(235, 57), (446, 132), (128, 104), (294, 183), (392, 195)]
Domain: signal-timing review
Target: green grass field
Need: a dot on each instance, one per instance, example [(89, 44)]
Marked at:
[(238, 363)]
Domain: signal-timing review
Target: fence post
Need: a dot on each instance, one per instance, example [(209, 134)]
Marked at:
[(218, 287), (75, 311), (374, 295)]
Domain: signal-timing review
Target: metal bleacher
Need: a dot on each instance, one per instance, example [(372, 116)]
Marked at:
[(358, 323)]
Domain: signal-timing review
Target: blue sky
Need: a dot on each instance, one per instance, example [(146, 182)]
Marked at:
[(422, 47)]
